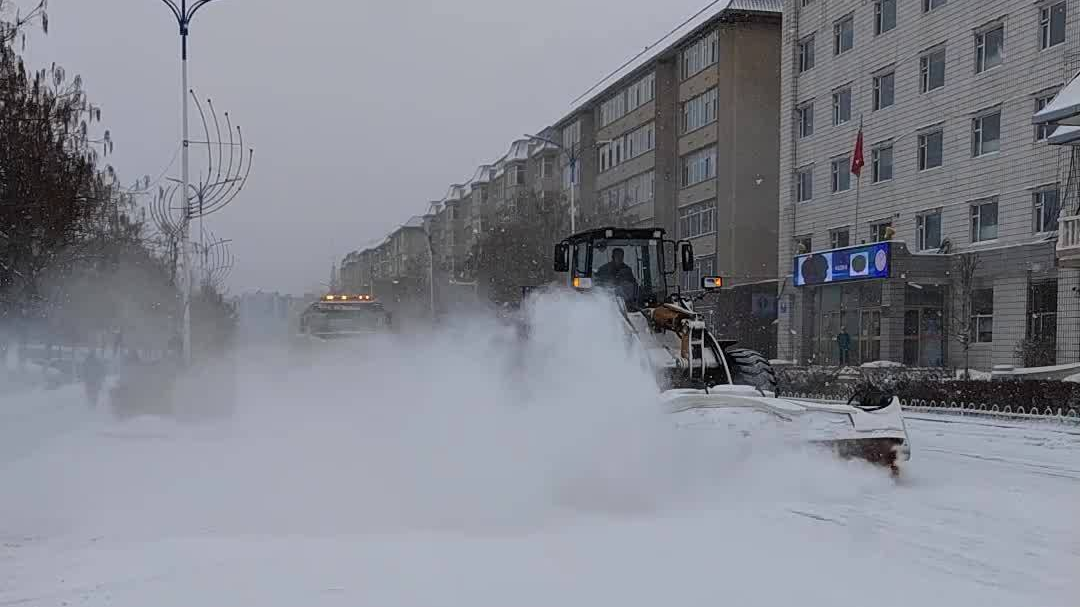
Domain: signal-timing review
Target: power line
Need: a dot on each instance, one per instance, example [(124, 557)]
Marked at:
[(649, 48)]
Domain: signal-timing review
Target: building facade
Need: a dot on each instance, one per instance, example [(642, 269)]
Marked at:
[(943, 93), (685, 137)]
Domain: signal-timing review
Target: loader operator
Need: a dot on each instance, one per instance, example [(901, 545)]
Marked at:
[(618, 275)]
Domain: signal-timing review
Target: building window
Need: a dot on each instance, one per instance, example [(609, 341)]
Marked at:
[(841, 106), (930, 150), (1042, 131), (632, 192), (516, 175), (881, 160), (806, 54), (703, 266), (928, 230), (803, 244), (700, 110), (639, 141), (1047, 205), (929, 5), (841, 174), (984, 221), (884, 16), (986, 134), (989, 48), (884, 90), (804, 184), (628, 100), (627, 147), (699, 166), (700, 55), (571, 135), (932, 70), (697, 219), (1042, 312), (982, 316), (839, 238), (547, 167), (881, 231), (844, 35), (1052, 25), (806, 119)]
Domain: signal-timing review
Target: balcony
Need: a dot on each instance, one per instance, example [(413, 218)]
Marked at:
[(1068, 245)]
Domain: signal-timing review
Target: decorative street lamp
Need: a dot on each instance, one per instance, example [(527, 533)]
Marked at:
[(184, 13)]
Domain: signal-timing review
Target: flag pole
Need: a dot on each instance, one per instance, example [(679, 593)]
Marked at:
[(857, 162), (858, 189)]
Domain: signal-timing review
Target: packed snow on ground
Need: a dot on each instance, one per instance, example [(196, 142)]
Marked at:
[(459, 470)]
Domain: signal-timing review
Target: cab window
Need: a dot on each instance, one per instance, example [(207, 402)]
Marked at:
[(581, 259)]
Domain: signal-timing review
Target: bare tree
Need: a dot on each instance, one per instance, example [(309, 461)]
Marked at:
[(516, 251), (962, 324)]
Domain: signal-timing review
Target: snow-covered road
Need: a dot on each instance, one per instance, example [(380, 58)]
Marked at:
[(96, 513), (465, 468)]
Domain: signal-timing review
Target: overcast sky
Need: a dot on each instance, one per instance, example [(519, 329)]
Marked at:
[(359, 112)]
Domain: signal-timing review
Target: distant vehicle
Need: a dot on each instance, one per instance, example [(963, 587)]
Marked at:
[(337, 316)]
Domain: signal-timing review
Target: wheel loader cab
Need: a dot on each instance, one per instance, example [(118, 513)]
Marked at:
[(632, 263)]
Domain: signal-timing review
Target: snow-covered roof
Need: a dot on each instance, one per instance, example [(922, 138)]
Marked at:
[(1064, 109), (541, 147), (519, 151), (482, 174), (416, 221), (456, 192), (674, 38), (1065, 135)]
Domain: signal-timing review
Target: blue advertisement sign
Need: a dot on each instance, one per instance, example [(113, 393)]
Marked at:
[(842, 265)]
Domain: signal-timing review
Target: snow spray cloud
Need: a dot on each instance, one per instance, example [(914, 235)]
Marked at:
[(463, 429)]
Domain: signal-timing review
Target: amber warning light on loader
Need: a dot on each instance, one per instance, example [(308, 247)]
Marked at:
[(712, 282)]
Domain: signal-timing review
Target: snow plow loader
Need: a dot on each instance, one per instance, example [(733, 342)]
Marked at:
[(705, 379)]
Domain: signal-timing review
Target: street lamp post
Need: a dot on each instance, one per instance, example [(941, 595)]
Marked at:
[(431, 273), (184, 14)]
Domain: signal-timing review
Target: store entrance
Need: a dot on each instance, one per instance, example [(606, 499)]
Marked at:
[(924, 325), (854, 308)]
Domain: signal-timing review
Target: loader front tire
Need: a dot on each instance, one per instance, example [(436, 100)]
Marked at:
[(751, 368)]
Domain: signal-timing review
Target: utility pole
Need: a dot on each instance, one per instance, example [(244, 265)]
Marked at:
[(184, 14)]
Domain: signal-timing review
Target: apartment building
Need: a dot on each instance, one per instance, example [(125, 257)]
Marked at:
[(943, 93), (391, 269), (685, 137)]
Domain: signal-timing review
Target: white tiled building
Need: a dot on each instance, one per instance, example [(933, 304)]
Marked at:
[(944, 91)]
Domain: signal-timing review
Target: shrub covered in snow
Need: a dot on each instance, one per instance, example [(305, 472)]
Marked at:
[(929, 385)]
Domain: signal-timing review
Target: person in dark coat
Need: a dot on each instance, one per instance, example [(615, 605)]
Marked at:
[(843, 341)]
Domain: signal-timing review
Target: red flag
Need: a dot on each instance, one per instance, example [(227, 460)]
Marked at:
[(857, 161)]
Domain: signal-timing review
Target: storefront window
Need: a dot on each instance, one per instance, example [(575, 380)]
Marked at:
[(870, 335), (924, 325), (854, 308)]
